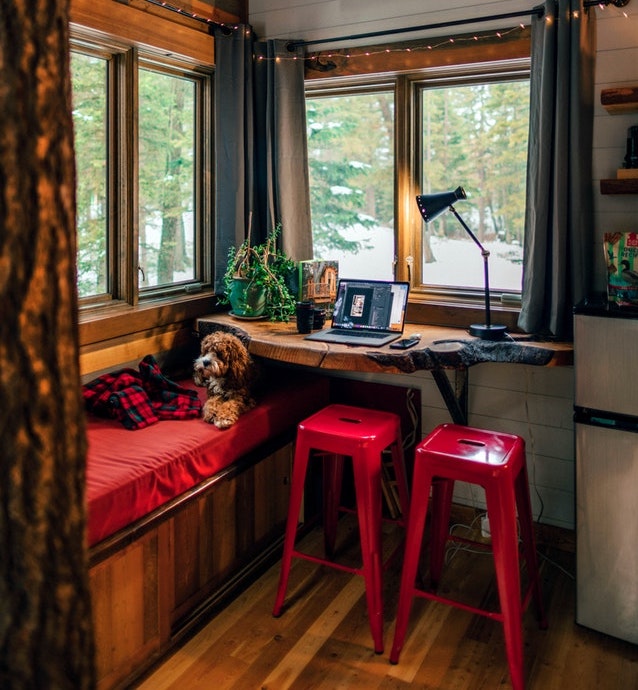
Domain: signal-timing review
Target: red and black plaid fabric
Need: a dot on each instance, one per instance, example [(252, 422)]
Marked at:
[(140, 399)]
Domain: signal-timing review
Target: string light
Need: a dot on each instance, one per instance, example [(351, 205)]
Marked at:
[(443, 43)]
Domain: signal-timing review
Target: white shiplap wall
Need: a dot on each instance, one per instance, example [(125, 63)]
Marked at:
[(313, 20), (534, 402), (616, 65)]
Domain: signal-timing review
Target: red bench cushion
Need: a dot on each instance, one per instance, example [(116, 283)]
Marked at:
[(130, 473)]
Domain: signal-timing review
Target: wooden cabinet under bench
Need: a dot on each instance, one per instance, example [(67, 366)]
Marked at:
[(154, 580)]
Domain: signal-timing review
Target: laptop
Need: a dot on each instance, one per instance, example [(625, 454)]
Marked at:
[(366, 312)]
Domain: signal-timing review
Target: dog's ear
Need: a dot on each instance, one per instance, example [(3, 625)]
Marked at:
[(207, 343), (237, 359)]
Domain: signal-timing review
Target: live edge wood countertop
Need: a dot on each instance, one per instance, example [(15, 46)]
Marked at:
[(439, 348)]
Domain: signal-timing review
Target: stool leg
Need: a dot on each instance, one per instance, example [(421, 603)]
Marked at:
[(299, 467), (524, 508), (398, 461), (440, 509), (414, 538), (332, 481), (367, 477), (501, 509)]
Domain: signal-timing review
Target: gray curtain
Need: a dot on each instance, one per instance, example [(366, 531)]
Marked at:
[(261, 175), (557, 267)]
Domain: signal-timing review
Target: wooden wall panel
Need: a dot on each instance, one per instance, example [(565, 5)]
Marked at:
[(124, 591), (225, 547), (141, 26), (176, 344), (272, 493), (186, 530)]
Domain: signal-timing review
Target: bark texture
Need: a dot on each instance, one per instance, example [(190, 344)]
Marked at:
[(45, 619)]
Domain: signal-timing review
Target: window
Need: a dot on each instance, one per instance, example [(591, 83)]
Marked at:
[(90, 118), (351, 160), (143, 217), (475, 136), (453, 126), (166, 178)]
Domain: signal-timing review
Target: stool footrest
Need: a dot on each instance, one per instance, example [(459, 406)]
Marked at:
[(346, 568), (493, 615), (470, 542), (325, 561), (433, 596)]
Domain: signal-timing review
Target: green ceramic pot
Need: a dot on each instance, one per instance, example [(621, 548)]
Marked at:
[(246, 299)]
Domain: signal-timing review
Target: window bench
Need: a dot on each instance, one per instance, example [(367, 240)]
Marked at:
[(182, 515)]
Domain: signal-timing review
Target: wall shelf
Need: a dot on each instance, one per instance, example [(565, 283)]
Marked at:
[(619, 186), (617, 101), (622, 99)]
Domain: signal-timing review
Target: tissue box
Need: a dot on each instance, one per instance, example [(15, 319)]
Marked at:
[(621, 255)]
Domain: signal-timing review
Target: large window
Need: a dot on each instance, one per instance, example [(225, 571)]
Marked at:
[(422, 133), (475, 136), (351, 160), (167, 188), (142, 156), (90, 116)]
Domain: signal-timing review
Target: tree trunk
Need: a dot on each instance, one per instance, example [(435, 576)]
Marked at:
[(45, 618)]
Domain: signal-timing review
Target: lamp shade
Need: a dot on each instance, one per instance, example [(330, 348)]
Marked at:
[(433, 205)]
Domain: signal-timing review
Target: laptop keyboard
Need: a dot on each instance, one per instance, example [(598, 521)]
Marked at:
[(358, 334)]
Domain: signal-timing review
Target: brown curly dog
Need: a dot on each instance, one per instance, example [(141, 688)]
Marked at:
[(227, 371)]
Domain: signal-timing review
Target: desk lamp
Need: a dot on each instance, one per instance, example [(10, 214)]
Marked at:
[(432, 206)]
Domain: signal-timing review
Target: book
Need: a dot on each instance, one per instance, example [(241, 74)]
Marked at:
[(627, 174), (318, 283), (621, 255)]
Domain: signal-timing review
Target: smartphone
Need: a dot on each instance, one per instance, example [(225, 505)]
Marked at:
[(405, 343)]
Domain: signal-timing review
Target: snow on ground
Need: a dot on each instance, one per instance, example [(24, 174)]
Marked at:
[(459, 262)]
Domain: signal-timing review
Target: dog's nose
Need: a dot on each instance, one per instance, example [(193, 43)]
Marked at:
[(206, 362)]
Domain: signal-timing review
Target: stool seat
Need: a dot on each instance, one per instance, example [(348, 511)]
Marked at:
[(495, 461), (340, 431)]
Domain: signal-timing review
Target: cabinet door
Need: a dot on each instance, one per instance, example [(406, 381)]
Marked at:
[(606, 519), (605, 363)]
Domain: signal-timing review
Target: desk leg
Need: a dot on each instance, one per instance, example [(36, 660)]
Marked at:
[(455, 398)]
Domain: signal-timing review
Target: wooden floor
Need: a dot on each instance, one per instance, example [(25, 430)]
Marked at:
[(322, 640)]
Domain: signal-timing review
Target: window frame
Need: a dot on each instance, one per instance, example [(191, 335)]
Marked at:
[(362, 86), (447, 307), (125, 308), (512, 70)]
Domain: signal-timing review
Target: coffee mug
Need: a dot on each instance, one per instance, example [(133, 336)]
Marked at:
[(305, 317)]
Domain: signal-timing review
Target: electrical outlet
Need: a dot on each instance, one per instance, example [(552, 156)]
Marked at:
[(485, 527)]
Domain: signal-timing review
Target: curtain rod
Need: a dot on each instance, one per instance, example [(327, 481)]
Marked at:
[(538, 11), (616, 3)]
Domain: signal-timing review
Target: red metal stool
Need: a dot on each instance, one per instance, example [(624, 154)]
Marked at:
[(495, 461), (362, 434)]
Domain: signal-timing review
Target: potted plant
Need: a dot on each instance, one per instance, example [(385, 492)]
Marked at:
[(256, 281)]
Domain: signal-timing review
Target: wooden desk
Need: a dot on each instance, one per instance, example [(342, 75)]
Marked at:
[(440, 349)]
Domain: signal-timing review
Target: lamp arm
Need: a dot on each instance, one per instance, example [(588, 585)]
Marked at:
[(486, 254), (469, 232)]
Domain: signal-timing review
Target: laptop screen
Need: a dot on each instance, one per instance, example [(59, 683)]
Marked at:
[(370, 305)]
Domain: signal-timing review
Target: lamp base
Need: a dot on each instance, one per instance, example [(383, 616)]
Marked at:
[(491, 332)]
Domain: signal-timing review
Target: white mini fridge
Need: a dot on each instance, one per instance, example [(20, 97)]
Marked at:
[(606, 436)]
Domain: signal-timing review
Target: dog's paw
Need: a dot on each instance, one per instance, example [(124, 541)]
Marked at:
[(224, 422), (208, 416)]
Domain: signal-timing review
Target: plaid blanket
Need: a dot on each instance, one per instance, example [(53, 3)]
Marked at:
[(139, 399)]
